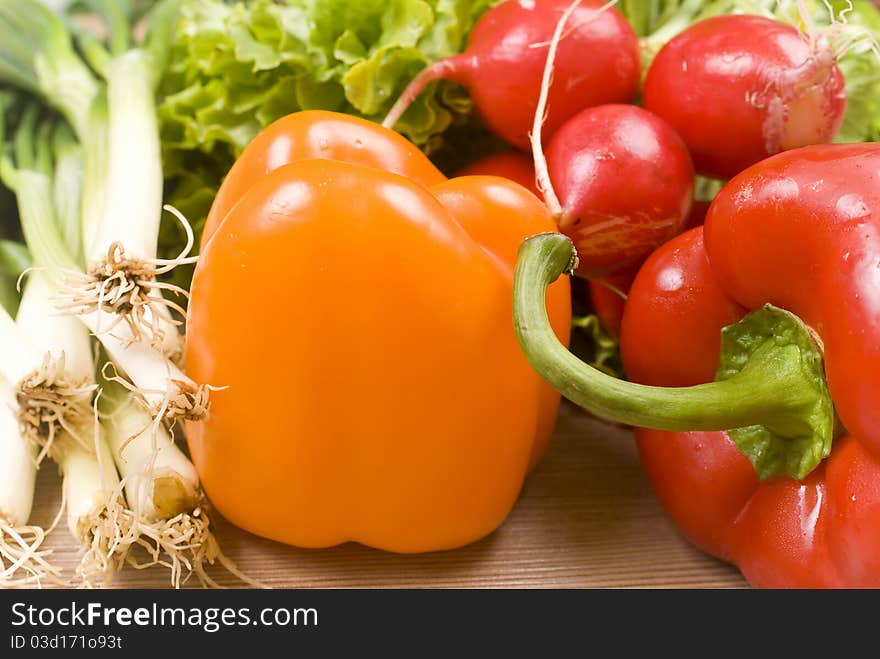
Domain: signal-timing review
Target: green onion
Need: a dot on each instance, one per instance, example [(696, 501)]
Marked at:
[(22, 562), (100, 266)]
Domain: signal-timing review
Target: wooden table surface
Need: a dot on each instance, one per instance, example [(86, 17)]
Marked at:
[(587, 518)]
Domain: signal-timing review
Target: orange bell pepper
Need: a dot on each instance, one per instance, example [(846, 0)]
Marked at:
[(358, 306)]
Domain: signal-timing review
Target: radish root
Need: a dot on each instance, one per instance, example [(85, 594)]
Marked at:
[(614, 289), (846, 37), (442, 69), (542, 174)]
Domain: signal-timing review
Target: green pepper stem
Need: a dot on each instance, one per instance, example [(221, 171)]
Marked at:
[(770, 390)]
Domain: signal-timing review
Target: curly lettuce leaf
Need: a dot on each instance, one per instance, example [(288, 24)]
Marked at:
[(236, 67)]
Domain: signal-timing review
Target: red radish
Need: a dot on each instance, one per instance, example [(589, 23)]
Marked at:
[(739, 88), (511, 165), (616, 178), (598, 61), (624, 182)]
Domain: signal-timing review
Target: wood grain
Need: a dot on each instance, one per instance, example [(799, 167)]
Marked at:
[(586, 519)]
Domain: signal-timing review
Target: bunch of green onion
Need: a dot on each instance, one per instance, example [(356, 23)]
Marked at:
[(90, 364)]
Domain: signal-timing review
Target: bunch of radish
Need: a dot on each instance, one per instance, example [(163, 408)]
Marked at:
[(559, 78)]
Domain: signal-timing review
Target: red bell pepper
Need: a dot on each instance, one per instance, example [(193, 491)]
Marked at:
[(766, 489)]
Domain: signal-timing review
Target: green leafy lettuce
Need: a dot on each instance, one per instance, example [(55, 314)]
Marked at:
[(234, 68)]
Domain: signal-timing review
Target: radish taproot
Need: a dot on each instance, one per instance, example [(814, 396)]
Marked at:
[(739, 88), (597, 62)]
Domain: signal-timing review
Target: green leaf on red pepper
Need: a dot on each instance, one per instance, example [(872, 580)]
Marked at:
[(792, 449)]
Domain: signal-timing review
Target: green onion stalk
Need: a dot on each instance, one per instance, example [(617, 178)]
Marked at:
[(97, 514), (114, 118), (113, 287), (121, 266), (22, 561), (54, 401), (90, 450), (104, 271)]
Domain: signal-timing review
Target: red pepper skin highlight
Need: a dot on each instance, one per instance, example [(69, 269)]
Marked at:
[(739, 88), (800, 230)]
